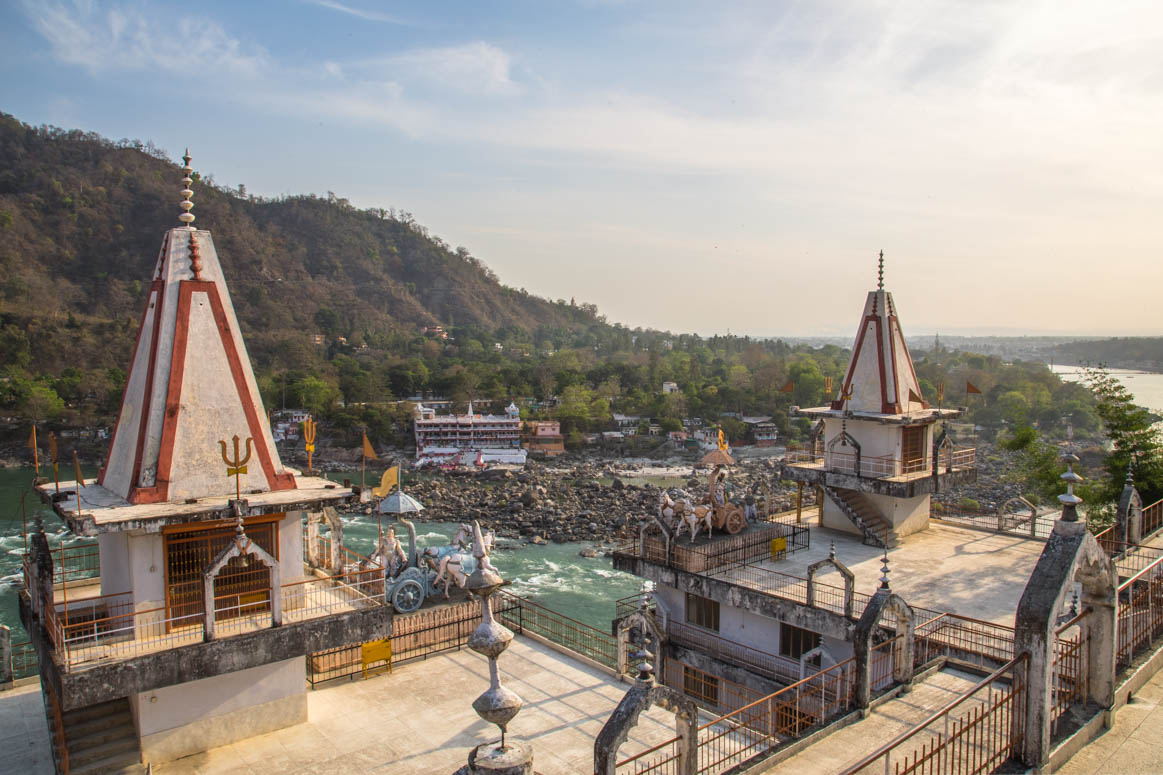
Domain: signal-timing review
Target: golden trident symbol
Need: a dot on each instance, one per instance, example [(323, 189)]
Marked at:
[(236, 467), (309, 428)]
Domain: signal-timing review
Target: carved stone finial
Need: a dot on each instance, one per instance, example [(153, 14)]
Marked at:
[(832, 551), (1070, 501), (880, 273), (1130, 473), (186, 216), (884, 571)]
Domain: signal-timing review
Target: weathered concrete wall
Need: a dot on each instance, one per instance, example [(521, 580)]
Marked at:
[(228, 655), (180, 720), (709, 664), (815, 619)]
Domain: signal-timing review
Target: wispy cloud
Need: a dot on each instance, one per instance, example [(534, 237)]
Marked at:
[(476, 68), (361, 13), (130, 37)]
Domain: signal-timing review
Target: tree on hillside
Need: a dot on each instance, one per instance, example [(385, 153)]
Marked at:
[(1134, 440)]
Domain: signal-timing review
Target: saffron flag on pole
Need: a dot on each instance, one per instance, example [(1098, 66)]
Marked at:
[(787, 388), (368, 450), (390, 480), (914, 398), (971, 388)]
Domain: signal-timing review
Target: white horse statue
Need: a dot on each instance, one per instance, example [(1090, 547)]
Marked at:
[(454, 562), (681, 513)]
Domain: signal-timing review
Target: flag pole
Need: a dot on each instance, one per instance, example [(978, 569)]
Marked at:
[(35, 452)]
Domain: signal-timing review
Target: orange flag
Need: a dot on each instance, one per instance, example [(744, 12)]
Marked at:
[(914, 398), (971, 388), (368, 450), (789, 387)]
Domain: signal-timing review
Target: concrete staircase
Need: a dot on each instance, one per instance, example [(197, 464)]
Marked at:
[(103, 739), (876, 529)]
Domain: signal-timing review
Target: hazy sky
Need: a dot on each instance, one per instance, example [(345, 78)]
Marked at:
[(692, 166)]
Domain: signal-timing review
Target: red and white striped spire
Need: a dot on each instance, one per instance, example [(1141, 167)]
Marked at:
[(880, 378)]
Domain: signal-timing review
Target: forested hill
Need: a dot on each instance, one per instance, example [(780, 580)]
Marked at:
[(81, 219)]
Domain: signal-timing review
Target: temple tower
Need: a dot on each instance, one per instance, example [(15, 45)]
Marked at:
[(879, 449), (204, 609)]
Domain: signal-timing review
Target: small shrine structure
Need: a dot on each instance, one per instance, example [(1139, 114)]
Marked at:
[(205, 610), (878, 449)]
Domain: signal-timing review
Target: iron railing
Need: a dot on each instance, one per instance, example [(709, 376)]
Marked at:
[(761, 540), (525, 616), (974, 734), (773, 666)]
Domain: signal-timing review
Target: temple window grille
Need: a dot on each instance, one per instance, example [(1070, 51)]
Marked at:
[(190, 551)]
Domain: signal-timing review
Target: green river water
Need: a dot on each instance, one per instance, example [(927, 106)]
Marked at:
[(554, 575)]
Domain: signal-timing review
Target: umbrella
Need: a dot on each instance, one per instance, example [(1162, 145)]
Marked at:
[(400, 503), (717, 457)]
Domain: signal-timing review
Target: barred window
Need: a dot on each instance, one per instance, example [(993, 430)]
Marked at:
[(795, 641), (703, 687), (702, 612)]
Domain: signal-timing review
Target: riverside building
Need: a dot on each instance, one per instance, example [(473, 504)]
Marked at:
[(465, 439)]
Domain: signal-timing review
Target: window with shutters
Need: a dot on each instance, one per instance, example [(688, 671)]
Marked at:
[(702, 612)]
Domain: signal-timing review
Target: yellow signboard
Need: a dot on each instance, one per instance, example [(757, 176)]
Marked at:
[(376, 651), (778, 547)]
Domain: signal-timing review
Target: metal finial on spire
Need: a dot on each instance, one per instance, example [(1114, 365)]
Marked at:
[(884, 571), (832, 551), (880, 273), (186, 216)]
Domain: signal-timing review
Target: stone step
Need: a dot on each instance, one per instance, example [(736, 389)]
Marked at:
[(113, 707), (98, 724), (114, 751), (81, 741), (126, 764)]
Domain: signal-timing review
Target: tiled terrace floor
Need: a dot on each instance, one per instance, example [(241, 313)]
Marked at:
[(419, 719)]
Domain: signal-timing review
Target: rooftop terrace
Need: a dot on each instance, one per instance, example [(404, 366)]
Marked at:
[(944, 568)]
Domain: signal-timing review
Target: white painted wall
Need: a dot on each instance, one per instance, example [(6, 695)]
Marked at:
[(291, 547), (147, 569), (908, 515), (176, 706), (113, 549)]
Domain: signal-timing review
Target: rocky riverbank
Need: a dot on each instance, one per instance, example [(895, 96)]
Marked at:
[(584, 502)]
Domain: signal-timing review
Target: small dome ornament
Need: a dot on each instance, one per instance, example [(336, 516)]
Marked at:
[(186, 216)]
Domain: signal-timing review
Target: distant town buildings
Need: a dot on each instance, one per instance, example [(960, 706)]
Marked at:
[(469, 438)]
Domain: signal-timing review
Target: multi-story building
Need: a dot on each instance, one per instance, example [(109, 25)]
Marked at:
[(196, 631), (544, 437), (468, 438)]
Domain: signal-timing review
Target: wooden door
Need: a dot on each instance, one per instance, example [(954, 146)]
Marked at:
[(912, 449)]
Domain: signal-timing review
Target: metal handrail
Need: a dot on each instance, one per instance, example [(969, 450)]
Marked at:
[(996, 675)]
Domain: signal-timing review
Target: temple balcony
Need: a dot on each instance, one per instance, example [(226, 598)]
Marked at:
[(893, 476), (94, 647)]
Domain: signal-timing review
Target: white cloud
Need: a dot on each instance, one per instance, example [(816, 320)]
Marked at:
[(129, 37), (477, 68)]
